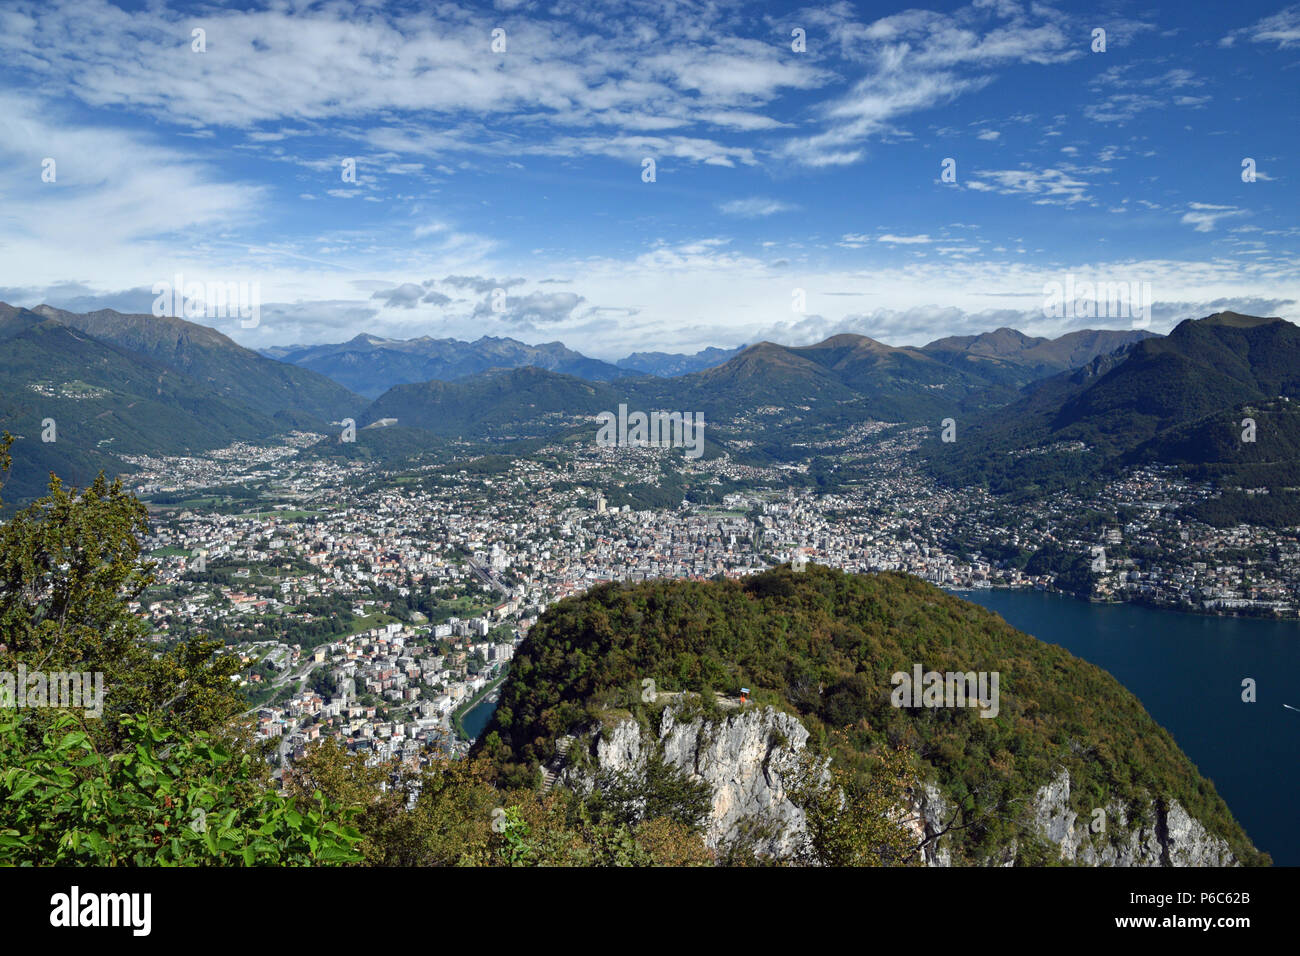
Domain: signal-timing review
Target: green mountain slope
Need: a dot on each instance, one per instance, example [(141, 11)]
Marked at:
[(117, 384), (518, 403), (212, 360), (1011, 357), (103, 401), (823, 645), (883, 382), (1134, 407)]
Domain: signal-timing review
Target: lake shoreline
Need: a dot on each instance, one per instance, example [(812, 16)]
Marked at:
[(1152, 605), (1187, 670)]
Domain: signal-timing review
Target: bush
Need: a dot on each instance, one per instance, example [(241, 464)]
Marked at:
[(167, 799)]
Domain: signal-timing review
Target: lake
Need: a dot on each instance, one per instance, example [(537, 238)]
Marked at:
[(1187, 670)]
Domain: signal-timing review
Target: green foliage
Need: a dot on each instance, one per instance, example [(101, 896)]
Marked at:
[(459, 818), (70, 565), (824, 645), (656, 790), (165, 799), (1073, 571), (856, 821), (1280, 509)]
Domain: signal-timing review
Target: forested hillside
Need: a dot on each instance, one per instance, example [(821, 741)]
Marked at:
[(823, 645)]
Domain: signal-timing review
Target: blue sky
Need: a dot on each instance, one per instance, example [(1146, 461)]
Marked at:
[(775, 170)]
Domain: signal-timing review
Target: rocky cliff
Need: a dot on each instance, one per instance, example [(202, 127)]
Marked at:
[(745, 755), (1160, 835)]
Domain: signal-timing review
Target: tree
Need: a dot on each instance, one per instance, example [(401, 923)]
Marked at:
[(99, 783), (70, 567), (852, 821), (657, 790)]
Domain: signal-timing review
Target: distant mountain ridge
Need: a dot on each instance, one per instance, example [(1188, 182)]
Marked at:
[(846, 375), (1021, 358), (1176, 399), (370, 365), (671, 364), (79, 389)]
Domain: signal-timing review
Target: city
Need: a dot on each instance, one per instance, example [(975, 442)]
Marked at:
[(487, 555)]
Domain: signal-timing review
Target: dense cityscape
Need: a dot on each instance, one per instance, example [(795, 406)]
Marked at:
[(377, 606)]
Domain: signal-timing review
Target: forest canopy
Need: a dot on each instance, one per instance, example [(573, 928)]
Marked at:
[(822, 645)]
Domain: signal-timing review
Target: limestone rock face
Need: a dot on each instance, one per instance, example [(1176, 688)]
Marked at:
[(926, 821), (1161, 837), (744, 756)]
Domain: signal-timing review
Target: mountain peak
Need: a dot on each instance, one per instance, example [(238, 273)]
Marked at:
[(1236, 320), (844, 340), (367, 338)]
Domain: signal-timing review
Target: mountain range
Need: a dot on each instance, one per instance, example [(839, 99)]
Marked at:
[(845, 378), (370, 365), (669, 364), (1023, 358), (1178, 399), (117, 384)]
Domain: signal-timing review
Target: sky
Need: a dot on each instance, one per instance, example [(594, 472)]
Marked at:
[(502, 182)]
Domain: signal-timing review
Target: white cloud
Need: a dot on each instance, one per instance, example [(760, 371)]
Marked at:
[(754, 207), (328, 65), (1282, 28), (1053, 187), (904, 240), (1205, 216), (922, 59), (113, 189)]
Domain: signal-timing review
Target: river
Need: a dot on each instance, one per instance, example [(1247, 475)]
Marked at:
[(477, 717), (1187, 670)]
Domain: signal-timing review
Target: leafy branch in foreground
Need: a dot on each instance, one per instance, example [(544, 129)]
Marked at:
[(166, 799)]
